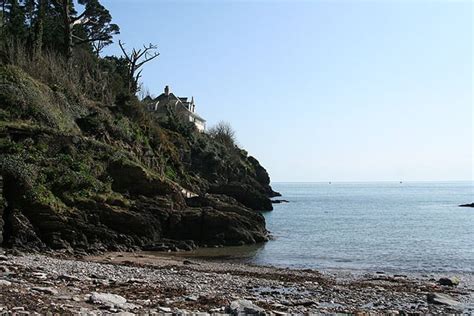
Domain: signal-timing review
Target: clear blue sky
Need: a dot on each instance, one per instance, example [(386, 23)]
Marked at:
[(321, 90)]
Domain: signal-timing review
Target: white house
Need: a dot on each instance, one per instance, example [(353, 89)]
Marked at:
[(184, 108)]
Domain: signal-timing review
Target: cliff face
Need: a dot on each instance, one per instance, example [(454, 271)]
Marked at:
[(78, 174)]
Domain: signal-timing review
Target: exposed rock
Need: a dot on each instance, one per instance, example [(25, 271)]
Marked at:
[(45, 290), (77, 175), (107, 299), (454, 281), (5, 283), (467, 205), (244, 307), (441, 299), (280, 201), (245, 194), (68, 277)]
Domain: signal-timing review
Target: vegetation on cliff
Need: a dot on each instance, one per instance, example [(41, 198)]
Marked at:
[(85, 166)]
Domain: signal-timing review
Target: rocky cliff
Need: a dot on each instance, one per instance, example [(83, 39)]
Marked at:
[(85, 175)]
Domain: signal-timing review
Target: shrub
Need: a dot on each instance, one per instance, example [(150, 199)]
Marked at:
[(224, 134)]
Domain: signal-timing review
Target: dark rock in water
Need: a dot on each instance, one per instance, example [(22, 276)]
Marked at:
[(280, 201), (449, 281), (262, 177), (245, 194), (441, 299), (467, 205)]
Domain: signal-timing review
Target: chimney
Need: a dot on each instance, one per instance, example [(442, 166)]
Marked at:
[(167, 90)]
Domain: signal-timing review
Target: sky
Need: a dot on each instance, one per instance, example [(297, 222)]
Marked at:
[(321, 90)]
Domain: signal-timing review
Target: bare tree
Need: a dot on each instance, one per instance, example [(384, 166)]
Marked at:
[(223, 133), (136, 59)]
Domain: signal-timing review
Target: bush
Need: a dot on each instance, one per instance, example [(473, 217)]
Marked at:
[(224, 134)]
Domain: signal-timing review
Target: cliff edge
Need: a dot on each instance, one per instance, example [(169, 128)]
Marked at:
[(82, 174)]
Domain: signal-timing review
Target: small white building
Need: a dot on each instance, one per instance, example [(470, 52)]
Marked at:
[(184, 108)]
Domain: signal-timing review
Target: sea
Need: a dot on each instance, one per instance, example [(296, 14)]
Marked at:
[(378, 226)]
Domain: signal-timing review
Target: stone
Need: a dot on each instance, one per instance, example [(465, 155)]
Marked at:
[(107, 298), (5, 283), (110, 300), (191, 298), (164, 309), (67, 277), (45, 290), (40, 275), (454, 281), (244, 307), (18, 308), (3, 258), (441, 299)]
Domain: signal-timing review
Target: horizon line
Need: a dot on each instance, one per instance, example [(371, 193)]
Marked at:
[(370, 181)]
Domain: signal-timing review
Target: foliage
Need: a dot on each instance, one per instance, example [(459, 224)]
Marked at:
[(223, 133), (80, 114)]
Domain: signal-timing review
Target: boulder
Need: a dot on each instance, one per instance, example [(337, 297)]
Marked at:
[(107, 298), (441, 299), (454, 281), (244, 307)]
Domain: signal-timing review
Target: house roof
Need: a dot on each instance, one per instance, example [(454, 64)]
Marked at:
[(181, 101)]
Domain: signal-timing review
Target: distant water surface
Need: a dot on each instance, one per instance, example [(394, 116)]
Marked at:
[(411, 227)]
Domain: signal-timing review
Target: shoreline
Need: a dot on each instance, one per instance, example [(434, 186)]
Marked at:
[(143, 283)]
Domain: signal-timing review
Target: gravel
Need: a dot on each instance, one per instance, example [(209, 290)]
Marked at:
[(144, 283)]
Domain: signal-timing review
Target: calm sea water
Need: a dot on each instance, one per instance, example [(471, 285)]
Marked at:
[(409, 227), (391, 226)]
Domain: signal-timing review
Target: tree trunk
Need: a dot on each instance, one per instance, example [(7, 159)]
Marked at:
[(39, 29), (67, 29)]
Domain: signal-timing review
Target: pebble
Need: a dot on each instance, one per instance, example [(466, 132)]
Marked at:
[(208, 287), (5, 283), (45, 290)]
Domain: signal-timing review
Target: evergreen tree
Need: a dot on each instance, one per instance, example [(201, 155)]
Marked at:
[(15, 20), (92, 25)]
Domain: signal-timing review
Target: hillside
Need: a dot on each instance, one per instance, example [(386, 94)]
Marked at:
[(84, 173)]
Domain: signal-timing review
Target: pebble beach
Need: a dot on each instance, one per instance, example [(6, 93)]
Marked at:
[(143, 283)]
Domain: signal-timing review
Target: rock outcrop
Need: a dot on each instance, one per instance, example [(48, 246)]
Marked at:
[(245, 194), (80, 175)]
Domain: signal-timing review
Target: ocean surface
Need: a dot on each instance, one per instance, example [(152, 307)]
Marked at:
[(383, 226)]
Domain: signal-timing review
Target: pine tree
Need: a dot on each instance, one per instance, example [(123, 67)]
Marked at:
[(92, 25)]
